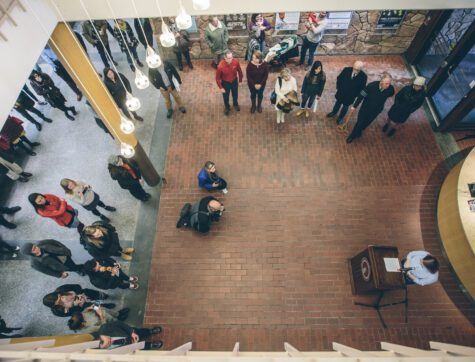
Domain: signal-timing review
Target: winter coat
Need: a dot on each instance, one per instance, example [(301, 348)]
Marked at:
[(205, 180), (48, 90), (114, 329), (11, 131), (217, 38), (147, 29), (123, 176), (314, 84), (104, 279), (182, 41), (129, 37), (257, 75), (57, 209), (282, 91), (111, 245), (24, 99), (102, 27), (60, 311), (373, 100), (407, 101), (157, 80), (347, 89), (47, 263), (116, 88)]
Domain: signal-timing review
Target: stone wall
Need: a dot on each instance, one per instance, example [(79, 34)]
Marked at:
[(362, 36)]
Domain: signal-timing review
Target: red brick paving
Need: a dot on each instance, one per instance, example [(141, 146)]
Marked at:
[(301, 202)]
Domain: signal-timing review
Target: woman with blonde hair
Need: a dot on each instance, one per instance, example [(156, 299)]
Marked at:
[(101, 241), (286, 92), (82, 193), (209, 179)]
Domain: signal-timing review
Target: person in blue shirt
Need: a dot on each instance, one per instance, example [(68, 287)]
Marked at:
[(209, 179), (422, 268)]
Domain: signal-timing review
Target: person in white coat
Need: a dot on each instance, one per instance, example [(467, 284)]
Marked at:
[(284, 85)]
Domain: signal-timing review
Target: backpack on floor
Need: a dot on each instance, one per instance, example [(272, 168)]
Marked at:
[(185, 215)]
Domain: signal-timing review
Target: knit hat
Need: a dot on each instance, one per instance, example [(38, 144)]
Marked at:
[(420, 81), (26, 248), (64, 182), (113, 160)]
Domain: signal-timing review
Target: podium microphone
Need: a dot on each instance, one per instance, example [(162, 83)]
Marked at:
[(405, 270)]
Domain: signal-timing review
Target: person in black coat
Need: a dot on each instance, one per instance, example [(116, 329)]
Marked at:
[(127, 173), (107, 274), (312, 87), (349, 83), (101, 241), (373, 96), (8, 211), (4, 330), (118, 92), (26, 103), (44, 86), (147, 29), (130, 335), (406, 102), (72, 298), (162, 79), (205, 211), (51, 257)]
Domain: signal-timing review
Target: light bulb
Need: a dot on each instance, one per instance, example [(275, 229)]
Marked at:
[(183, 20), (132, 103), (200, 4), (167, 39), (126, 125), (126, 150), (153, 59), (141, 80)]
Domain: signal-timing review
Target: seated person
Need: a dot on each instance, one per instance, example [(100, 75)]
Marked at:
[(209, 179), (205, 211), (423, 268)]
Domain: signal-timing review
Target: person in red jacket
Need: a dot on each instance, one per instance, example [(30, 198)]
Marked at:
[(227, 76), (52, 206)]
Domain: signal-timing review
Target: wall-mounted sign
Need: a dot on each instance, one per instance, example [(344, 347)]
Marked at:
[(390, 19), (287, 21), (236, 21), (339, 20)]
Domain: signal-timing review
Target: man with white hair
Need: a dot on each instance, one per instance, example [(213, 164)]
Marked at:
[(373, 96), (349, 83)]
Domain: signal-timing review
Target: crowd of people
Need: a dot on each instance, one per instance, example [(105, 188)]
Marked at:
[(85, 308)]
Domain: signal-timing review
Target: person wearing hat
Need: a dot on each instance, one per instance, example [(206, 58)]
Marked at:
[(407, 101), (311, 39), (127, 173), (50, 257)]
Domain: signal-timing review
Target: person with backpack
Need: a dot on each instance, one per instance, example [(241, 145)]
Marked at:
[(200, 215)]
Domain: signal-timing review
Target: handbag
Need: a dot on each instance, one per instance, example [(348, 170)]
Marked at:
[(273, 96)]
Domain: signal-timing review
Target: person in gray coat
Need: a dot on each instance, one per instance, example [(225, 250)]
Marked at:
[(51, 257), (217, 37)]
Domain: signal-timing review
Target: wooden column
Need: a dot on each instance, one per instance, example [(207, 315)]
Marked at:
[(68, 50)]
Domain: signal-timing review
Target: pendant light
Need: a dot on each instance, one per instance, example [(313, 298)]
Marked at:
[(183, 20), (126, 125), (200, 4), (132, 103), (141, 80), (151, 57), (167, 39), (127, 150)]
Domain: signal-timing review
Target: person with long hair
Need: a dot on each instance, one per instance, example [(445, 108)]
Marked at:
[(101, 241), (108, 274), (127, 173), (312, 87), (53, 207), (93, 317), (286, 94), (257, 73), (209, 179), (83, 194)]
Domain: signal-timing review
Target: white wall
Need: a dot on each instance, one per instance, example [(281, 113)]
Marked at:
[(20, 52)]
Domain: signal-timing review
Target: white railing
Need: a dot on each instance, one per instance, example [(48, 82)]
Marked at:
[(5, 14)]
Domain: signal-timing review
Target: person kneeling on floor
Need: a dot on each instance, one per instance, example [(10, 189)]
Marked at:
[(200, 215)]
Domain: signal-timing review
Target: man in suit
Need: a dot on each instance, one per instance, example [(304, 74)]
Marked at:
[(50, 257), (349, 83)]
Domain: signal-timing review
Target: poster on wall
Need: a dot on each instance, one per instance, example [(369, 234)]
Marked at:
[(338, 22), (236, 21), (390, 19), (287, 20)]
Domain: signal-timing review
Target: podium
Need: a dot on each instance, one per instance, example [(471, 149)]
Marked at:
[(368, 275)]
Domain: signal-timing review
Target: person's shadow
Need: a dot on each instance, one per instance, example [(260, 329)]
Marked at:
[(431, 238)]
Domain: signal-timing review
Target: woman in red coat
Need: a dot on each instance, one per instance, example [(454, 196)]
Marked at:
[(52, 206)]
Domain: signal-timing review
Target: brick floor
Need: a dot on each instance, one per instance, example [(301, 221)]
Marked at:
[(301, 202)]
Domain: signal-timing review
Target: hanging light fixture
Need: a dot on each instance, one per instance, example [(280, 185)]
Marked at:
[(153, 59), (167, 39), (126, 150), (126, 125), (132, 103), (200, 4), (141, 80), (183, 20)]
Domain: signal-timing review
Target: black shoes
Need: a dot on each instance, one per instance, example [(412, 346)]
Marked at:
[(146, 197), (34, 144), (182, 109), (49, 120), (349, 139), (180, 67), (123, 314), (132, 68), (253, 109), (331, 114), (138, 118), (237, 108), (154, 345), (108, 305), (32, 153), (385, 127), (139, 63), (226, 111), (12, 210), (104, 218), (391, 132), (71, 118), (79, 97), (23, 179), (38, 126), (72, 109), (115, 63), (110, 208), (26, 174), (169, 113), (190, 65), (156, 330)]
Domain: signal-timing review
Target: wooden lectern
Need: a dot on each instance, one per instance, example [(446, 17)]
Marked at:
[(368, 275)]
